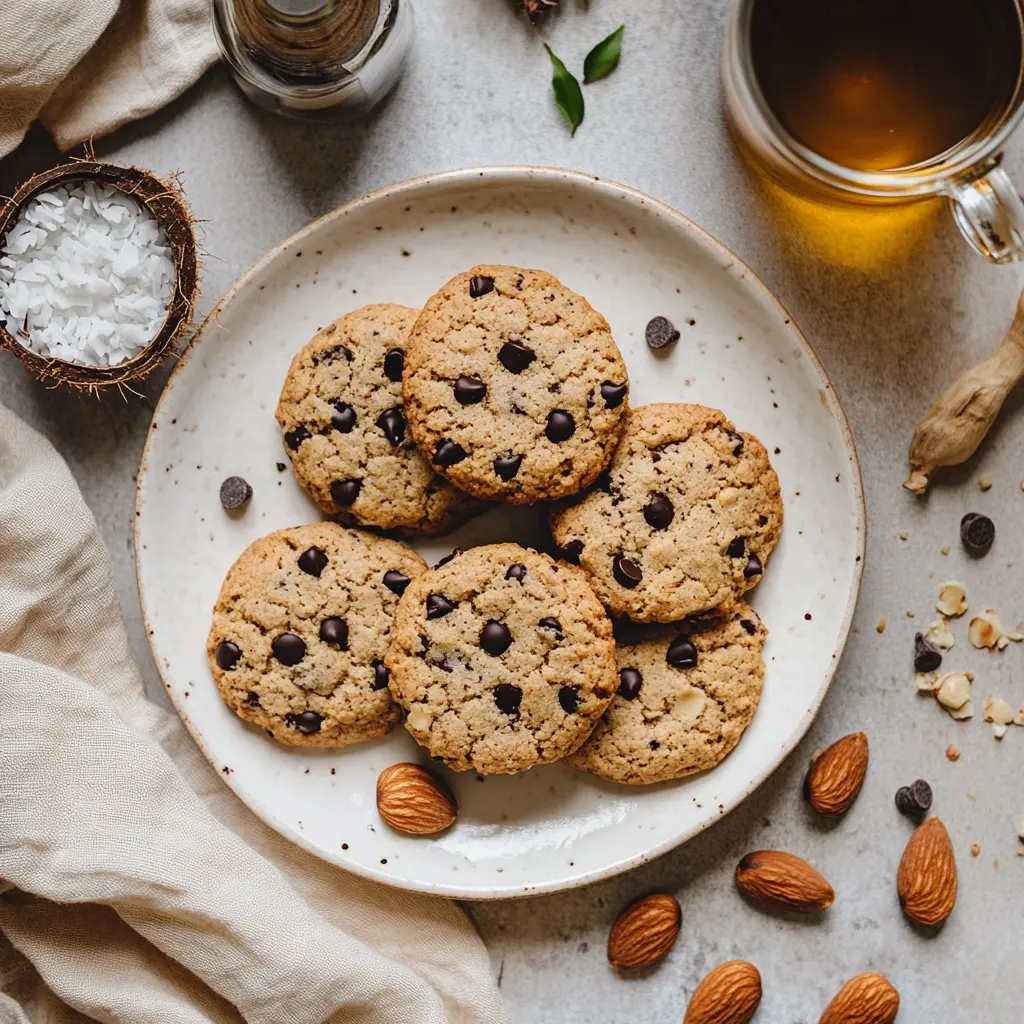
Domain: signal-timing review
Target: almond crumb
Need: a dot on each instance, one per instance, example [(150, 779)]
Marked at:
[(910, 614), (952, 599), (881, 624), (904, 534), (952, 752), (954, 691), (986, 630), (940, 635), (975, 849), (985, 483), (944, 550), (1000, 714)]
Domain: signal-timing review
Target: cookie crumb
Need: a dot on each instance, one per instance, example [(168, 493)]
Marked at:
[(985, 483), (975, 849), (952, 752), (881, 624), (904, 534), (944, 550)]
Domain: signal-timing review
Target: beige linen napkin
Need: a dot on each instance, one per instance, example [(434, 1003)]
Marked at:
[(86, 67), (138, 889)]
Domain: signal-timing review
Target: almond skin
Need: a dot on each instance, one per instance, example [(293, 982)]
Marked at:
[(645, 931), (782, 881), (728, 995), (834, 779), (866, 999), (412, 800), (926, 882)]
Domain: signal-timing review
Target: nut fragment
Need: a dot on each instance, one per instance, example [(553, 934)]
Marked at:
[(926, 881), (412, 800), (645, 931), (952, 752), (881, 624), (985, 630), (952, 599), (728, 496), (926, 682), (866, 999), (954, 690), (940, 635), (1000, 714), (782, 881), (728, 995), (975, 849), (835, 778), (419, 718)]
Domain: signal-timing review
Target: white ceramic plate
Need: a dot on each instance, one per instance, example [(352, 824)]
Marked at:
[(550, 828)]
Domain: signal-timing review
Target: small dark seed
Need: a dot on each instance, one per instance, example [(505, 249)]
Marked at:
[(313, 561), (392, 422), (660, 332), (234, 493), (681, 652), (343, 418), (480, 286), (977, 532), (626, 571), (438, 606), (569, 698), (927, 657), (228, 655), (295, 437), (289, 649), (448, 453), (334, 631), (495, 638), (659, 511), (380, 674), (630, 681), (508, 698), (515, 357), (395, 581), (507, 467), (345, 492), (394, 364), (516, 572), (737, 547), (613, 394), (307, 722), (469, 390), (752, 568)]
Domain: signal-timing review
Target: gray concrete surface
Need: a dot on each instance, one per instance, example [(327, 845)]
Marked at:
[(891, 328)]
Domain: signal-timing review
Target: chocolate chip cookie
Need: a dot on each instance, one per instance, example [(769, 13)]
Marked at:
[(344, 428), (686, 693), (683, 521), (514, 386), (300, 630), (502, 658)]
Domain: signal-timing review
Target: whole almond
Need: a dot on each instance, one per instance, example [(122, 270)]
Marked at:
[(728, 995), (926, 882), (782, 881), (866, 999), (645, 931), (834, 779), (410, 799)]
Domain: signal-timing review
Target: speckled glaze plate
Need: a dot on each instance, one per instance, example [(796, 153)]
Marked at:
[(634, 258)]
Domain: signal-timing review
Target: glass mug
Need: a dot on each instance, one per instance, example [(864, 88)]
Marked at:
[(884, 101)]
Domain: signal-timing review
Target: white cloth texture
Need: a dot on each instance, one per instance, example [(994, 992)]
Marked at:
[(137, 887), (86, 67)]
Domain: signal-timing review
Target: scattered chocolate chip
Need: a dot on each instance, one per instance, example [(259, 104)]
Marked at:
[(519, 282), (394, 364), (447, 453), (613, 394), (438, 606), (479, 286), (752, 568), (380, 674), (569, 698), (495, 638), (626, 571), (660, 332), (343, 418), (915, 798), (508, 466), (447, 558), (508, 698), (281, 467), (307, 722), (762, 520), (234, 493), (252, 698), (654, 744), (330, 355), (516, 572), (395, 581), (424, 647), (392, 422), (600, 691), (289, 649), (927, 657), (313, 561), (334, 631), (604, 481), (561, 426), (469, 390), (630, 682), (571, 551), (977, 533), (750, 627), (681, 652), (295, 437), (515, 356), (737, 443), (345, 492), (659, 511), (228, 655), (553, 625), (737, 547)]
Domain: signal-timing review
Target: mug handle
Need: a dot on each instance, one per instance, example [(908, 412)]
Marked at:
[(990, 213)]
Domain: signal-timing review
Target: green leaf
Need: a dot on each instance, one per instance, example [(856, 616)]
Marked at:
[(568, 94), (603, 59)]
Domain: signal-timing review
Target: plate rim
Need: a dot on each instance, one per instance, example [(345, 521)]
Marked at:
[(518, 173)]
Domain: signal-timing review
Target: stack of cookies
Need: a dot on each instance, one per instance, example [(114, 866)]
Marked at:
[(506, 387)]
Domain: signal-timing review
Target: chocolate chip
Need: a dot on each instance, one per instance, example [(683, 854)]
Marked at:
[(252, 698), (750, 627), (295, 437), (228, 655), (289, 649), (516, 572), (234, 493), (659, 511), (681, 652), (307, 722), (737, 439), (343, 418), (392, 422), (571, 552), (281, 467), (737, 547), (380, 674), (508, 698), (569, 698), (613, 393), (469, 390), (396, 581), (630, 682), (515, 357), (927, 657), (479, 286), (345, 492), (495, 638), (313, 561), (626, 571), (561, 426), (447, 558), (447, 453), (752, 568), (438, 606), (600, 691), (330, 355), (604, 482), (554, 625), (394, 364), (334, 631), (915, 798), (508, 466), (977, 533), (660, 332)]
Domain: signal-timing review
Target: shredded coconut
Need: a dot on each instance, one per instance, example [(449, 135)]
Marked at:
[(86, 275)]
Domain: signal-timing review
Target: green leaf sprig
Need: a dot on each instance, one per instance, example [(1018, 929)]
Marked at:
[(603, 59)]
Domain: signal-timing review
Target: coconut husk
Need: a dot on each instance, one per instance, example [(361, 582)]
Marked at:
[(167, 204)]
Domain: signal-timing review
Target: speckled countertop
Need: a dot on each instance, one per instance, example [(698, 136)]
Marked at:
[(893, 308)]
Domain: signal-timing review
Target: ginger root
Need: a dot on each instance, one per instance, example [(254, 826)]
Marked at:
[(961, 416)]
